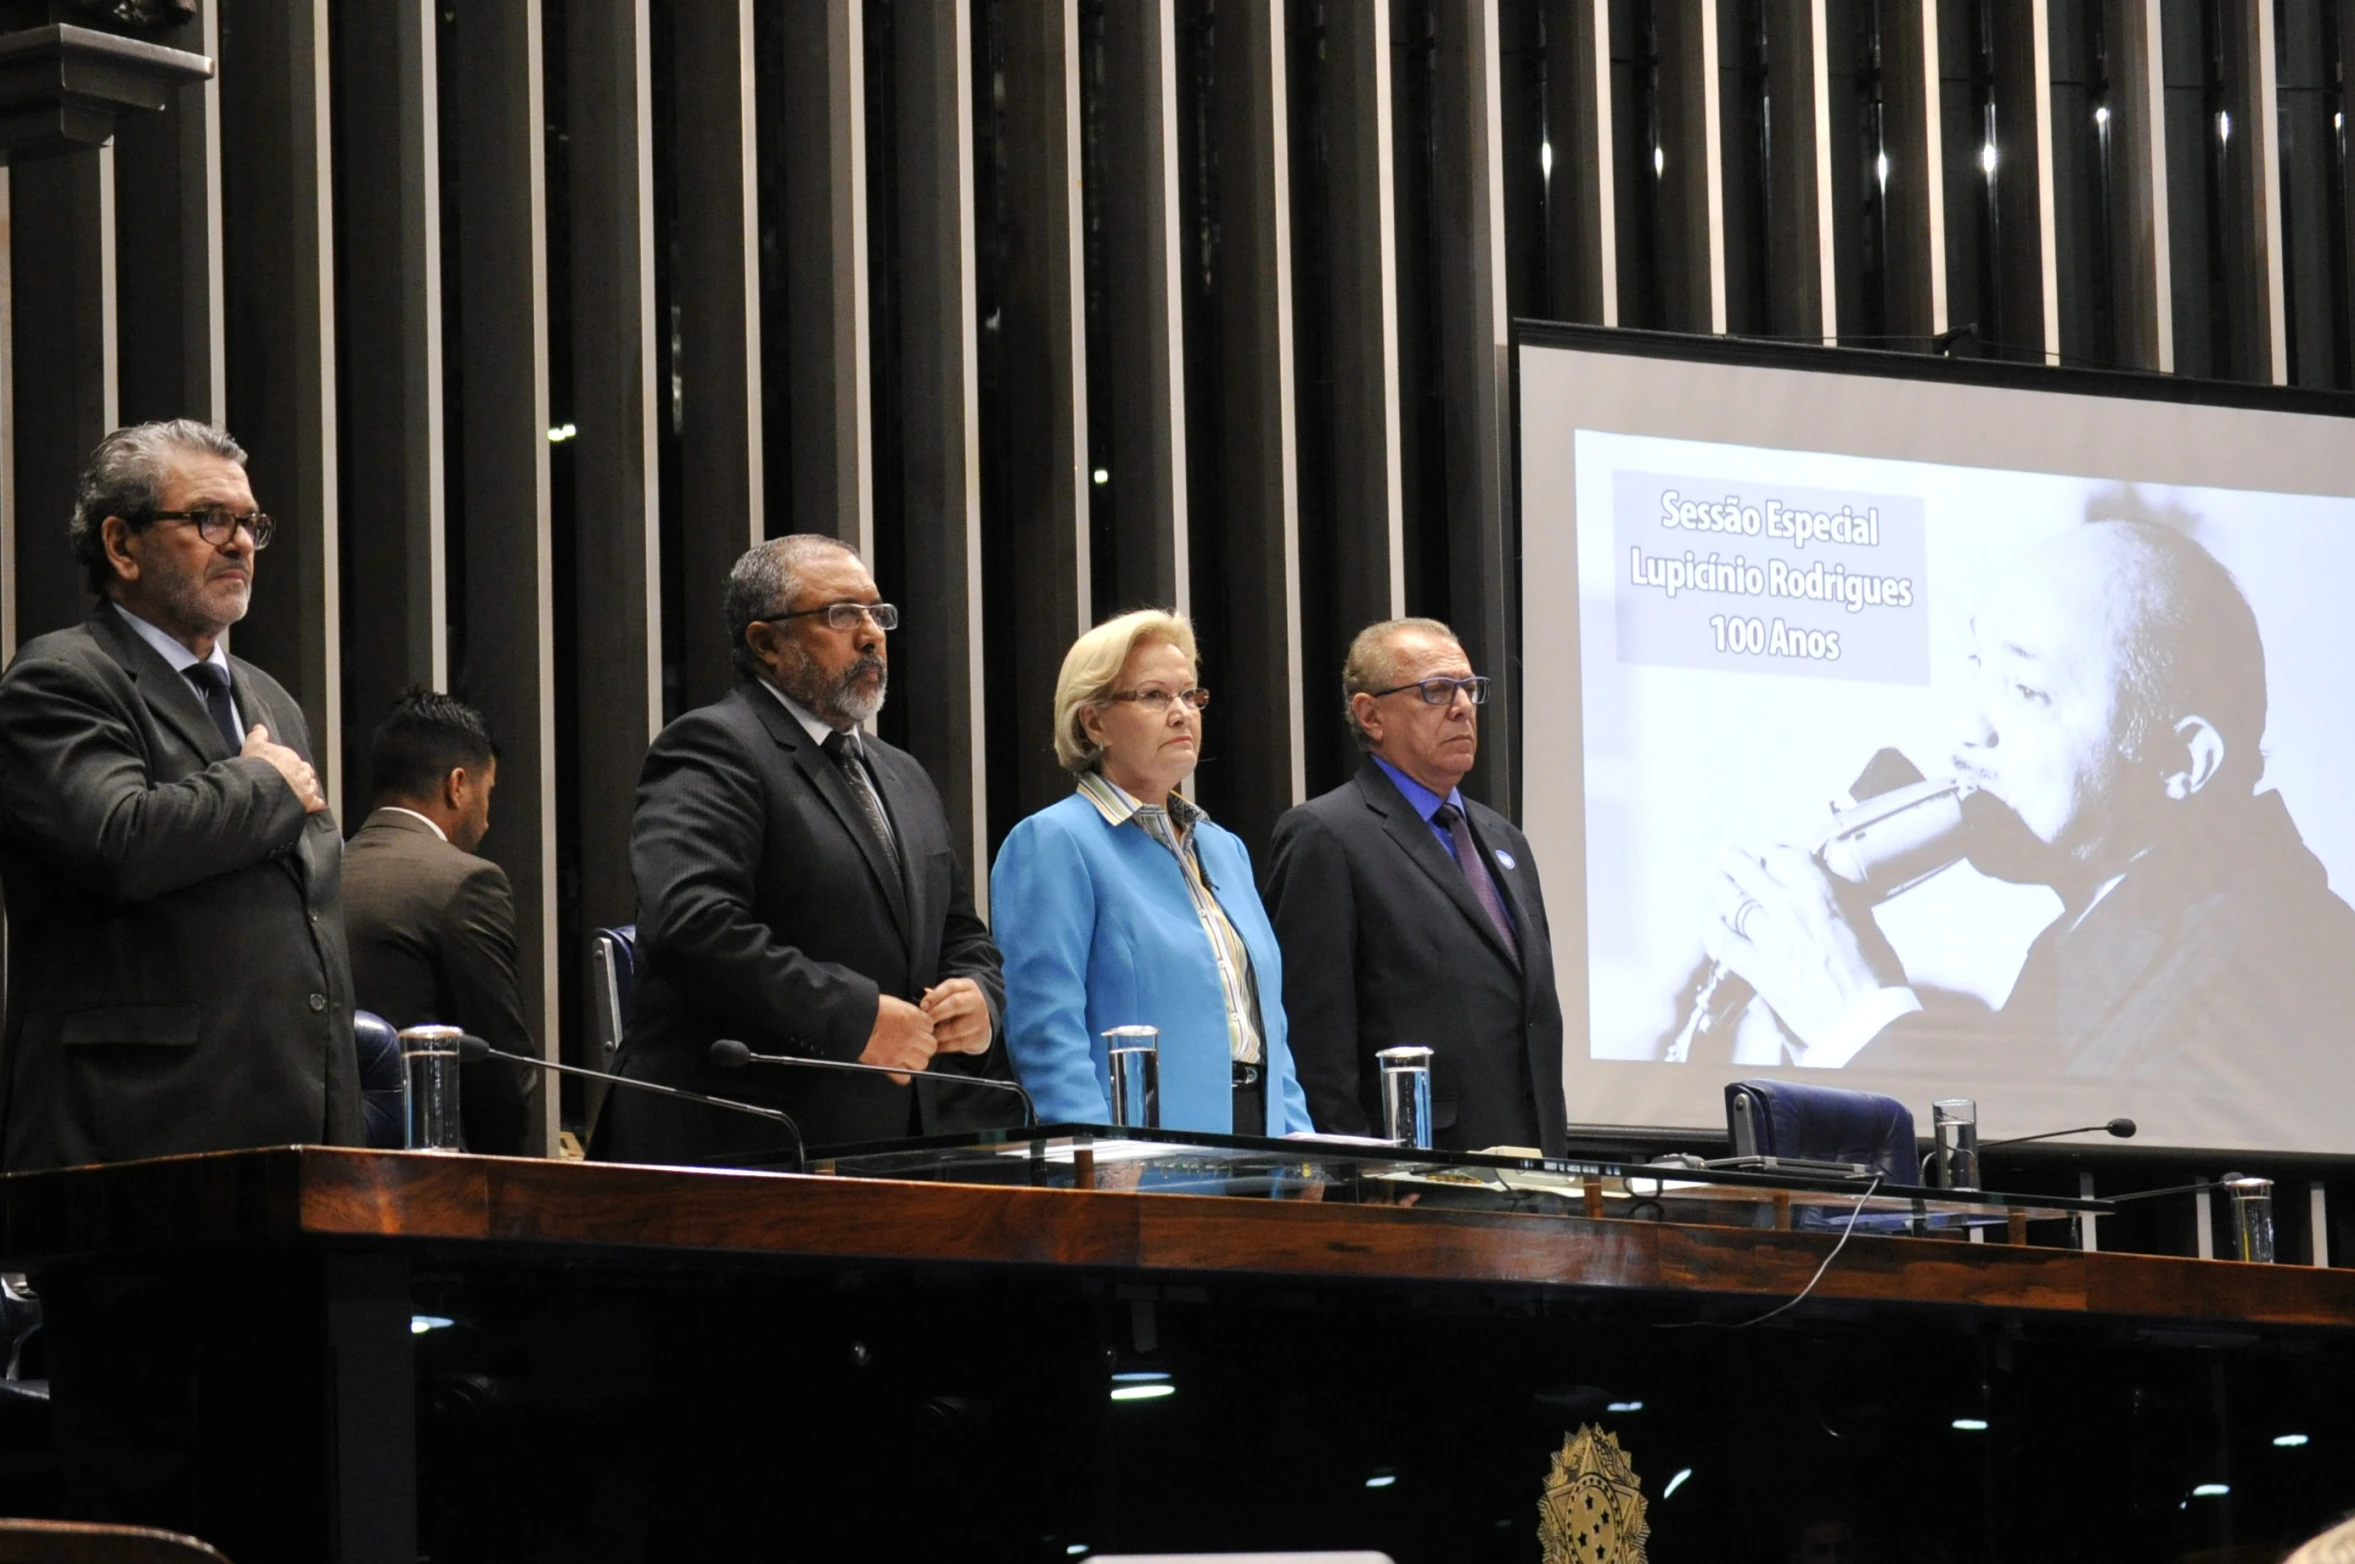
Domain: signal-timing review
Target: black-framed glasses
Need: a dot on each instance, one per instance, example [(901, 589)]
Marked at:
[(845, 615), (217, 524), (1440, 692), (1157, 701)]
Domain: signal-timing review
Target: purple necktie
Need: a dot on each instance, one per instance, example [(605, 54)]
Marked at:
[(1476, 874)]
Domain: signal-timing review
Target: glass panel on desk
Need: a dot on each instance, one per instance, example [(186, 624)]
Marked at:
[(1347, 1170)]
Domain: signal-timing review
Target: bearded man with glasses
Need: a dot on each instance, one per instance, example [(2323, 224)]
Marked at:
[(1410, 915), (799, 891), (178, 976)]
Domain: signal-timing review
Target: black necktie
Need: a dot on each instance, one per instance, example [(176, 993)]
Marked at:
[(1476, 874), (212, 682), (843, 749)]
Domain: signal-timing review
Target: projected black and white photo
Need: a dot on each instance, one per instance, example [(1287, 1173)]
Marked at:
[(1963, 775)]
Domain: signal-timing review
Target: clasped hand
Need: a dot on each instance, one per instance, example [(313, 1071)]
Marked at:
[(952, 1017), (1805, 941)]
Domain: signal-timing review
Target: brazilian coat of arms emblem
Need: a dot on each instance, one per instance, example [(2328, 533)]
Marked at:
[(1592, 1511)]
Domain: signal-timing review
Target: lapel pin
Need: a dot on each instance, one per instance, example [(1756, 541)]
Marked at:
[(1506, 859)]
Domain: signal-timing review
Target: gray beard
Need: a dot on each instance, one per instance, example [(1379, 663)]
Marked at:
[(837, 700)]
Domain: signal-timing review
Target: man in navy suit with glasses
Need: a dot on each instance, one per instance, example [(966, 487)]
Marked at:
[(1411, 915)]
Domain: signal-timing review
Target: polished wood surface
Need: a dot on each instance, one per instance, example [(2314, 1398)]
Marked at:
[(73, 1542), (317, 1195)]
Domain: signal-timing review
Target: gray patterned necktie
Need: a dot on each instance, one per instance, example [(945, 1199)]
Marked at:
[(843, 749)]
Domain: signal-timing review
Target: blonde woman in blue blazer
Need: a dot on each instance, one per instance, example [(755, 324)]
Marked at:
[(1124, 905)]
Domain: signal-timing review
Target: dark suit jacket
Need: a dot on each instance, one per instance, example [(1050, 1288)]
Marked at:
[(2221, 962), (432, 931), (766, 913), (176, 964), (1385, 945)]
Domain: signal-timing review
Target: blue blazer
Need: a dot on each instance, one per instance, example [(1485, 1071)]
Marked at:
[(1097, 931)]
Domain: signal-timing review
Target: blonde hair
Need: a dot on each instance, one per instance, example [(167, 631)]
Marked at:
[(1092, 667), (2335, 1546)]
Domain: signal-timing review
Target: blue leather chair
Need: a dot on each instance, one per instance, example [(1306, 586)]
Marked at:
[(384, 1107), (1791, 1122)]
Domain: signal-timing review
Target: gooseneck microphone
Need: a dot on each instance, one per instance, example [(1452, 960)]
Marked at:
[(729, 1054), (2122, 1128), (472, 1048)]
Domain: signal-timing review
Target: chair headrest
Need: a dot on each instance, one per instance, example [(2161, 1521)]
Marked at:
[(372, 1031), (1830, 1124)]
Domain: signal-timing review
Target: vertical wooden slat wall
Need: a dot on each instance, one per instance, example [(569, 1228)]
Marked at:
[(1037, 530), (716, 395), (169, 305), (367, 240), (823, 234), (939, 677), (277, 166), (61, 370), (389, 298), (1260, 750), (616, 607), (508, 618), (1144, 249), (1369, 501)]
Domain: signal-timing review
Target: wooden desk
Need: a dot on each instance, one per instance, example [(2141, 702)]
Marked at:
[(330, 1255)]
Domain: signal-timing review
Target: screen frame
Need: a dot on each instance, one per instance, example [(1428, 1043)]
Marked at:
[(1993, 374)]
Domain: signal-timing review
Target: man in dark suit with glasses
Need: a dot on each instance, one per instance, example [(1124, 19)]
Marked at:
[(1411, 915), (799, 891), (178, 976)]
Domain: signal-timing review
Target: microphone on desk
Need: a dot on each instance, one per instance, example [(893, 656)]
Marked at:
[(2122, 1128), (729, 1054), (472, 1049)]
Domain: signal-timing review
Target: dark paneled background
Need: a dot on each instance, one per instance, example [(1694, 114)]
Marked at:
[(535, 313)]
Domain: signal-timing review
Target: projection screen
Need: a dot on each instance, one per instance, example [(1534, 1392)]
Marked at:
[(1945, 739)]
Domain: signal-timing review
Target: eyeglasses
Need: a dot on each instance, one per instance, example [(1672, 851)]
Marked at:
[(1157, 701), (1441, 692), (845, 616), (217, 524)]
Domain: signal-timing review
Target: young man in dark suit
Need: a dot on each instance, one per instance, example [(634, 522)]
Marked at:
[(799, 891), (432, 926), (177, 974), (1411, 915)]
